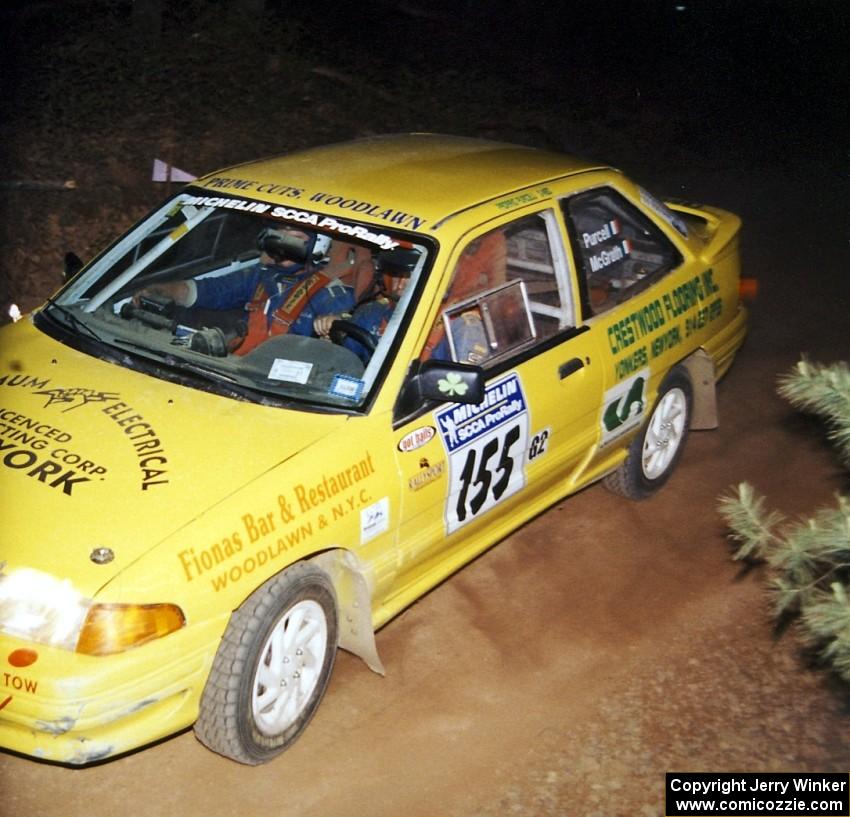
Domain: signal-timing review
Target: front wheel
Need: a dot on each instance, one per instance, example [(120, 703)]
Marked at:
[(653, 454), (272, 668)]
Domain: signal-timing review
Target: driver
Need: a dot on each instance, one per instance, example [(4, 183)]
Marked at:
[(372, 312), (285, 293)]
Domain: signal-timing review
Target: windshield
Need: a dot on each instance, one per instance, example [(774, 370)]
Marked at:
[(268, 298)]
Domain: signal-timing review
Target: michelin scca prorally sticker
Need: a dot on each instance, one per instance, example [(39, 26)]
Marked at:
[(486, 444)]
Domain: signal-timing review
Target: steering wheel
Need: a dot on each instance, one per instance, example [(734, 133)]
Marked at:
[(340, 329)]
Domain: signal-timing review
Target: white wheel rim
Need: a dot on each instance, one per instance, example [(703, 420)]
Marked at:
[(290, 667), (664, 434)]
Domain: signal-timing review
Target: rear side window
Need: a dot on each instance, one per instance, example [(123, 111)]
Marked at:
[(618, 249)]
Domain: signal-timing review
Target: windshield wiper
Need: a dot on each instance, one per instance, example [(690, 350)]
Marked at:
[(176, 362), (72, 319)]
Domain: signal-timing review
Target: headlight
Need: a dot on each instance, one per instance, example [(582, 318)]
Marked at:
[(41, 608)]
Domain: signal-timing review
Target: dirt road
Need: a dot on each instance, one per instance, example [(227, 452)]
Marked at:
[(603, 644)]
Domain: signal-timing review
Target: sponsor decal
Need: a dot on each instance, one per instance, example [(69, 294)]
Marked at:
[(452, 385), (44, 452), (244, 205), (636, 360), (147, 446), (382, 240), (645, 320), (703, 316), (227, 183), (368, 208), (416, 438), (374, 520), (280, 190), (298, 216), (316, 494), (636, 325), (688, 295), (75, 397), (461, 423), (526, 197), (258, 541), (358, 231), (486, 444), (539, 444), (427, 474), (667, 340), (30, 445), (696, 300), (623, 407)]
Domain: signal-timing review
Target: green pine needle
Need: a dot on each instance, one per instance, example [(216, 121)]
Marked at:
[(750, 525), (822, 390)]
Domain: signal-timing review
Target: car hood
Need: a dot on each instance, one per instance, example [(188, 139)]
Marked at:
[(95, 455)]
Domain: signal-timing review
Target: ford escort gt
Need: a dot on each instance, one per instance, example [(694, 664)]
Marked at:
[(302, 392)]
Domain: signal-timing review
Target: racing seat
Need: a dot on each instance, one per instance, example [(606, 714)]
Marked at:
[(481, 267)]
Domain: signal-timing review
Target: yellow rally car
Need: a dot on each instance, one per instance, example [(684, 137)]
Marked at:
[(305, 390)]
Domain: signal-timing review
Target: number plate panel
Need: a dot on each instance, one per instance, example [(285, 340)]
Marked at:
[(486, 446)]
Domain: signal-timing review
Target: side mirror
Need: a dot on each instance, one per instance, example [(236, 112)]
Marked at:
[(72, 266), (440, 381)]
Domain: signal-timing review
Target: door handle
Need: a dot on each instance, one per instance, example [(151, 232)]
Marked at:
[(571, 367)]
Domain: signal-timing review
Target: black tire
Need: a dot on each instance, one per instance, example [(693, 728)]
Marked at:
[(250, 721), (655, 451)]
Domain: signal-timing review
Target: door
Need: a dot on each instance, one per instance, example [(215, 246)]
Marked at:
[(472, 473)]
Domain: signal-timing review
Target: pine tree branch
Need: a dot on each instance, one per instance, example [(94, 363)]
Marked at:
[(822, 390), (750, 525), (808, 560)]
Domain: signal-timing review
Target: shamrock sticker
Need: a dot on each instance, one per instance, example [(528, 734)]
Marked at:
[(452, 385)]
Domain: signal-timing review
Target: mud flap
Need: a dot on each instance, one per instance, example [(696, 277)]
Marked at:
[(700, 368), (355, 606)]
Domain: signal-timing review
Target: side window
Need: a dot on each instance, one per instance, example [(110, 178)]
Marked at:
[(617, 248), (504, 296)]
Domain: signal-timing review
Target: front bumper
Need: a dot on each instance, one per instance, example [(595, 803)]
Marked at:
[(77, 709)]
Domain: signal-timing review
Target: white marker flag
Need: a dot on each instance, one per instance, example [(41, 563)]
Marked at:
[(164, 172)]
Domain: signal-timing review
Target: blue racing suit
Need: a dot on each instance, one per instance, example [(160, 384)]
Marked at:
[(239, 289)]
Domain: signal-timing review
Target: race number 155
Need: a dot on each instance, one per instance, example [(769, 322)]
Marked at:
[(487, 471)]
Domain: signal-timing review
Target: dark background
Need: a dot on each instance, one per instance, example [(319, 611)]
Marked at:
[(95, 90)]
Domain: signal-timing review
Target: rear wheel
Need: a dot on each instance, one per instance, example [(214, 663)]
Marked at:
[(655, 451), (272, 668)]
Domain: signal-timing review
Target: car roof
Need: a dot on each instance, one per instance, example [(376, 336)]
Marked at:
[(428, 176)]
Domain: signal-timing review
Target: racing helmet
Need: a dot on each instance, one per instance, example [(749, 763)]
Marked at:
[(282, 245), (391, 271)]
